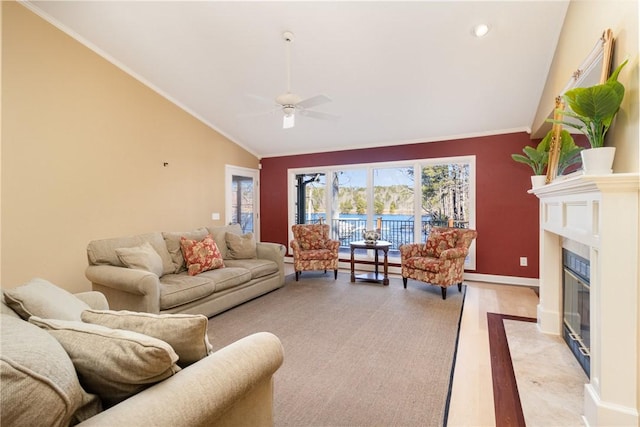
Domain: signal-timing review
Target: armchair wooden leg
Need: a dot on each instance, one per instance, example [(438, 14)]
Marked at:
[(297, 273), (335, 274), (444, 292), (404, 282), (460, 287)]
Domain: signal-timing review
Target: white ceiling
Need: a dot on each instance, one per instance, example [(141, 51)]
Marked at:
[(397, 72)]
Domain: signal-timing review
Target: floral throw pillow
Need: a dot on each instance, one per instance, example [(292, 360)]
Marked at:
[(440, 241), (201, 255)]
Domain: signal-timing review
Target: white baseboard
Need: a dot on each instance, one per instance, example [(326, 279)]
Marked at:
[(474, 277), (502, 280)]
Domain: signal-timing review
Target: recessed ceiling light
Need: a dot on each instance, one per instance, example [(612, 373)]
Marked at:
[(480, 30)]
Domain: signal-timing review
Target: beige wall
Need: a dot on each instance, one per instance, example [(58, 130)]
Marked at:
[(584, 23), (0, 144), (83, 147)]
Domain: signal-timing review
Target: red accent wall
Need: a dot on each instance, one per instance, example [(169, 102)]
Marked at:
[(506, 215)]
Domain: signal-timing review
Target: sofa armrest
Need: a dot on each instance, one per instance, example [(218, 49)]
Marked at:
[(95, 300), (126, 288), (273, 252), (233, 386)]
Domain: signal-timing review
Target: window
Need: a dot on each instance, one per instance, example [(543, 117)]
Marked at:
[(394, 205), (403, 200)]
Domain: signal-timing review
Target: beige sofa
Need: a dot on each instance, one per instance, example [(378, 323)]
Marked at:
[(243, 277), (230, 387)]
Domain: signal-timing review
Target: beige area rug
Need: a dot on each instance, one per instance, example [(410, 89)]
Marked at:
[(356, 354)]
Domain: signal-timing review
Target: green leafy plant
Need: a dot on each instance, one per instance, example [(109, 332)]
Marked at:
[(569, 151), (537, 158), (594, 107)]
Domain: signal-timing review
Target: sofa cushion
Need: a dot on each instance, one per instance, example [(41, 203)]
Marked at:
[(220, 236), (39, 383), (226, 278), (112, 363), (172, 241), (440, 241), (39, 297), (178, 289), (201, 255), (6, 310), (104, 251), (241, 246), (185, 333), (257, 267), (142, 257)]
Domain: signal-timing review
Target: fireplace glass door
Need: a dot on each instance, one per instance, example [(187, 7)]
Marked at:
[(576, 307)]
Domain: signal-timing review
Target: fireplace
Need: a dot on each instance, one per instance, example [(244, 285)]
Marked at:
[(600, 214), (576, 325)]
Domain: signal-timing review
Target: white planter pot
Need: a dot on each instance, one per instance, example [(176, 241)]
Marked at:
[(598, 161), (538, 180)]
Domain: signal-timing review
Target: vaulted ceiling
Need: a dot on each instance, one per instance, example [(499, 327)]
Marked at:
[(396, 71)]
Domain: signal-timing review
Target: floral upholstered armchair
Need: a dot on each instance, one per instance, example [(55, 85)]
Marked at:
[(439, 261), (313, 249)]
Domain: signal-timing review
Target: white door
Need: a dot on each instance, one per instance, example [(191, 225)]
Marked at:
[(243, 198)]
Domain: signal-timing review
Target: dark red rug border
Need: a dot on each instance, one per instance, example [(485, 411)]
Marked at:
[(507, 406)]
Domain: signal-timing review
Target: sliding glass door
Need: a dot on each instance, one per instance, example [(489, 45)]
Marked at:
[(402, 200)]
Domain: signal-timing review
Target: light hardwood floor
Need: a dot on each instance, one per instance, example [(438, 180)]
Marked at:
[(550, 381)]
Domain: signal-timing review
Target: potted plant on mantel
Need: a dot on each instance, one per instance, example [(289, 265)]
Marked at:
[(594, 108), (538, 158), (569, 151)]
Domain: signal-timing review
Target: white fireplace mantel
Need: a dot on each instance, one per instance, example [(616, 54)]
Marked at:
[(601, 212)]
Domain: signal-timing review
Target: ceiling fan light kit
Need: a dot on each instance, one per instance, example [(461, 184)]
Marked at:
[(288, 121), (290, 103)]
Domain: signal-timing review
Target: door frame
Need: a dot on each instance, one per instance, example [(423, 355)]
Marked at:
[(254, 174)]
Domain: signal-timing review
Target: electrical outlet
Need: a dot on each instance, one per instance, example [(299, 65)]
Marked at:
[(215, 216), (523, 261)]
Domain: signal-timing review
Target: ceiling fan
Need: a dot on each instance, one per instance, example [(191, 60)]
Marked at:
[(290, 103)]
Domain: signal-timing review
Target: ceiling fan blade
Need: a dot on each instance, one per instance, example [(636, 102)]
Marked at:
[(313, 101), (319, 115)]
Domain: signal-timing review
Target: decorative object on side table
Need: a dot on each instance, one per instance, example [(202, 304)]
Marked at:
[(370, 236), (594, 109)]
